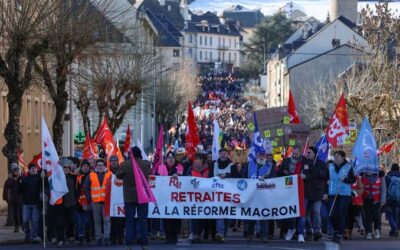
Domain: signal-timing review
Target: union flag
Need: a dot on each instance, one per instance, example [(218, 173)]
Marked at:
[(89, 149), (339, 123), (192, 134), (294, 117)]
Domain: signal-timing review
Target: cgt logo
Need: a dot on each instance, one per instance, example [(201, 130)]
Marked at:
[(242, 185), (217, 184), (174, 182), (289, 181), (152, 181)]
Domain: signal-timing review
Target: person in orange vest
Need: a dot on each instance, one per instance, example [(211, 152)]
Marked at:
[(355, 209), (95, 191), (84, 211), (374, 196)]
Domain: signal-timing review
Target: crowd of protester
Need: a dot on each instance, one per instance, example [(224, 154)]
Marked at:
[(339, 204)]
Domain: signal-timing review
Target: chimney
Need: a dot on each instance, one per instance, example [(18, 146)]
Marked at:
[(346, 8)]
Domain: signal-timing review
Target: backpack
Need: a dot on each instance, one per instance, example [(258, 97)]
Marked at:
[(394, 188)]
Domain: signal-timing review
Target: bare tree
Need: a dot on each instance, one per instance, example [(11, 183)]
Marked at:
[(75, 27), (23, 30), (116, 78), (371, 84), (172, 95)]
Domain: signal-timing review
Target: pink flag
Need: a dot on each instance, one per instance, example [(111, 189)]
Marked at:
[(158, 159), (144, 193)]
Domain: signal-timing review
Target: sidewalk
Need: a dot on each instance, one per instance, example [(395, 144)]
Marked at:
[(7, 236)]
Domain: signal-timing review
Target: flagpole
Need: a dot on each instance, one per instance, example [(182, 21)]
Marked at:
[(43, 210), (316, 156)]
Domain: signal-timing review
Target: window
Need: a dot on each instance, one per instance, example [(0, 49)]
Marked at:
[(205, 55), (210, 55), (201, 55), (219, 56), (235, 43), (230, 42), (28, 116), (36, 115), (210, 40), (205, 40), (223, 42), (176, 52), (201, 40), (229, 56), (190, 38), (219, 41), (190, 52), (176, 66), (234, 57)]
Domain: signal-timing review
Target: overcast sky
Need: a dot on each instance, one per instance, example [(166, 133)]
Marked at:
[(316, 8)]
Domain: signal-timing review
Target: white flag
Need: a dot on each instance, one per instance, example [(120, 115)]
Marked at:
[(216, 144), (144, 156), (55, 173)]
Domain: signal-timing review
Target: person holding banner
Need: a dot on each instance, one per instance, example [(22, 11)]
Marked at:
[(223, 168), (132, 205), (260, 169), (199, 169), (374, 199), (84, 210), (294, 165), (95, 191), (341, 178), (117, 224), (316, 174), (174, 169)]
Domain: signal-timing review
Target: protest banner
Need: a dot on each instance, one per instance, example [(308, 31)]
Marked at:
[(215, 198)]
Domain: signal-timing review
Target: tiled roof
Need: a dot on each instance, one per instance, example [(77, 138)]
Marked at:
[(210, 17), (220, 29)]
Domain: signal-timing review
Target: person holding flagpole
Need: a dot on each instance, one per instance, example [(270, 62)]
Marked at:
[(117, 224), (341, 177), (133, 206)]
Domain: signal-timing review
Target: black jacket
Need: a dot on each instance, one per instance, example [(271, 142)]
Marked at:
[(316, 178), (284, 167), (70, 198), (30, 188)]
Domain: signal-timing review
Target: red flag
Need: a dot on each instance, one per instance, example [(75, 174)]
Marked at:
[(37, 160), (192, 134), (127, 143), (89, 149), (339, 123), (294, 117), (385, 148), (105, 138), (158, 156)]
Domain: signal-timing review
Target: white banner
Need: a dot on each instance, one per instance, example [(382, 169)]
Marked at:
[(214, 198)]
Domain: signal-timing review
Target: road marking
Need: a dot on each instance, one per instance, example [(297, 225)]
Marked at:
[(290, 248), (331, 246)]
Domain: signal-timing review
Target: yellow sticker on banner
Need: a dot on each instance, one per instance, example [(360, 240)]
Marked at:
[(251, 126), (292, 142), (267, 134), (279, 132), (274, 143), (286, 120)]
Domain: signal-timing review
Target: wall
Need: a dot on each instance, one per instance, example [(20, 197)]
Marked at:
[(35, 104)]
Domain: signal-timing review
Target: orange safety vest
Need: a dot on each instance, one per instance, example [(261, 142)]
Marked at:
[(372, 189), (82, 198), (97, 191), (356, 200)]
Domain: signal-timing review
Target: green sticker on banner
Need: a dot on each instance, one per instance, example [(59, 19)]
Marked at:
[(251, 126), (292, 142), (286, 120), (267, 134), (274, 143), (279, 132)]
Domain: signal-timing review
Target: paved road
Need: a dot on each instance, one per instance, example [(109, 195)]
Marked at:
[(238, 243)]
